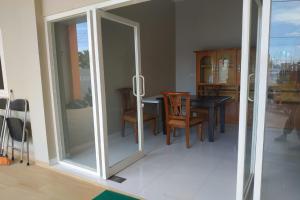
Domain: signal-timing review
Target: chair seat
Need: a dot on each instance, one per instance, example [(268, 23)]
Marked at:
[(15, 127), (181, 123), (132, 117), (200, 111)]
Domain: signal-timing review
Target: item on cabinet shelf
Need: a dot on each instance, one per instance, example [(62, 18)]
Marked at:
[(223, 71), (210, 79)]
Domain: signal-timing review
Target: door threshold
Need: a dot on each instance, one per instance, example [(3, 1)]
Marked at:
[(77, 172)]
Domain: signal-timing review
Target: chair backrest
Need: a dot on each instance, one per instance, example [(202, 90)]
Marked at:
[(4, 107), (128, 100), (16, 128), (3, 103), (177, 106), (20, 105), (15, 125)]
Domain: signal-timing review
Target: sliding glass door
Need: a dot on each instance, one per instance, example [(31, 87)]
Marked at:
[(75, 95), (97, 89), (248, 97), (278, 165), (274, 164), (122, 90)]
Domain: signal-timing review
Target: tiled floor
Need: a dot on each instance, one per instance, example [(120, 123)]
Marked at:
[(119, 148), (281, 171), (205, 171)]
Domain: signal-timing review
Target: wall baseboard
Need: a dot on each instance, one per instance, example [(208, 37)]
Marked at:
[(53, 161), (80, 148)]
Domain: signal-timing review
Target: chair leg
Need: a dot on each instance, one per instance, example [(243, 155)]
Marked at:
[(12, 149), (217, 117), (123, 128), (22, 147), (187, 137), (154, 126), (7, 142), (168, 139), (27, 141), (136, 133), (2, 143), (174, 132), (200, 132)]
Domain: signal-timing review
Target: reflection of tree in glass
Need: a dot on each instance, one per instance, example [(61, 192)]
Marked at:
[(84, 61), (88, 97)]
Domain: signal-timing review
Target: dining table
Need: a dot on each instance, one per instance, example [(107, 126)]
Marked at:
[(213, 104)]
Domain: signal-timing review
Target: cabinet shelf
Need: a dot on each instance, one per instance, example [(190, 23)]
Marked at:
[(206, 66)]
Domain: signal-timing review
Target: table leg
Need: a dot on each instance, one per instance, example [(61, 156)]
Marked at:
[(163, 118), (211, 123), (158, 113), (222, 117)]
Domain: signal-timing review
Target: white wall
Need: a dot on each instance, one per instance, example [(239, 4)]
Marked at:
[(21, 57), (157, 24), (201, 25), (51, 7)]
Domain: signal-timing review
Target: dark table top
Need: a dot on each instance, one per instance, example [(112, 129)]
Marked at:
[(206, 101)]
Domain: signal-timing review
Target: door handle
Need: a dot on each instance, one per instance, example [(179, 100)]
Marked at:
[(143, 85), (249, 78), (142, 78), (134, 85)]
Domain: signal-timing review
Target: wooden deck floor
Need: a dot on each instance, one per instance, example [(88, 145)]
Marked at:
[(36, 183)]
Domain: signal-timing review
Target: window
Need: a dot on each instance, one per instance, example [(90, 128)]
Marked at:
[(3, 85)]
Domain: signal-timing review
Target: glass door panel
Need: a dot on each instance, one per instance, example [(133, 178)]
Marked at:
[(248, 98), (123, 90), (252, 100), (77, 138), (281, 151)]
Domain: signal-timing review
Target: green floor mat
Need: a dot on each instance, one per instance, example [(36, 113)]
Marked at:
[(110, 195)]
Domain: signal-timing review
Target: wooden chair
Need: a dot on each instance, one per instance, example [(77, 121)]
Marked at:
[(206, 90), (178, 115), (198, 111), (129, 112)]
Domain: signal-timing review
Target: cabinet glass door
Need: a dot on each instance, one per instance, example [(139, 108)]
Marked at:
[(207, 67), (226, 70)]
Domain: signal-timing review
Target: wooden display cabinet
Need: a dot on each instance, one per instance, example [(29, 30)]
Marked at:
[(210, 78)]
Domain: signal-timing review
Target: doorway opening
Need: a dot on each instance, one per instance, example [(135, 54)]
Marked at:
[(110, 68)]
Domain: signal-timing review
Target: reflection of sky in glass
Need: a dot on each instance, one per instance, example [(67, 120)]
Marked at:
[(285, 32), (82, 36)]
